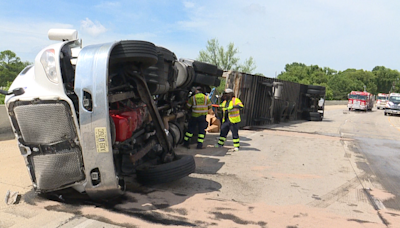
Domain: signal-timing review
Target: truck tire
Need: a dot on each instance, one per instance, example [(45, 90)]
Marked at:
[(140, 53), (167, 54), (316, 92), (315, 87), (219, 72), (205, 79), (182, 166), (315, 116), (201, 67), (217, 82)]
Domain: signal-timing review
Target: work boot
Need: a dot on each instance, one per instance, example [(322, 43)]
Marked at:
[(199, 146), (218, 145), (186, 144)]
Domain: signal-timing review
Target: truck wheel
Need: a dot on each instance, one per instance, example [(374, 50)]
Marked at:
[(315, 87), (314, 91), (205, 79), (217, 82), (140, 53), (167, 54), (182, 166), (204, 68), (315, 116)]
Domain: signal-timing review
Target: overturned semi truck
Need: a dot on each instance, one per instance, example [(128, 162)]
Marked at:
[(89, 117), (270, 100)]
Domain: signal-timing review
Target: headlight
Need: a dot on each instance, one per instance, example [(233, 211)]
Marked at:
[(48, 61)]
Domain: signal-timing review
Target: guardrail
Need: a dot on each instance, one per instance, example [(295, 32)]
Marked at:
[(342, 102), (6, 132)]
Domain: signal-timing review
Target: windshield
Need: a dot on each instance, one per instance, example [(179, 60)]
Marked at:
[(395, 99), (382, 98), (358, 97)]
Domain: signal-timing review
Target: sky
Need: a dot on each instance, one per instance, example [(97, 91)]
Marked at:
[(338, 34)]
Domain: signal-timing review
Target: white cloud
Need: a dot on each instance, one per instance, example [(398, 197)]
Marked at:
[(92, 28), (108, 5), (188, 4), (254, 8), (27, 37)]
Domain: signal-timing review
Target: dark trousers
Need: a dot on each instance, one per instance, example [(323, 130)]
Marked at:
[(225, 128), (195, 122)]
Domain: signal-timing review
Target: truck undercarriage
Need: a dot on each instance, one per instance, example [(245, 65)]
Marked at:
[(116, 110)]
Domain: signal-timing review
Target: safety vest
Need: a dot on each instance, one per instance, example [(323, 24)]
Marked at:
[(199, 104), (233, 113)]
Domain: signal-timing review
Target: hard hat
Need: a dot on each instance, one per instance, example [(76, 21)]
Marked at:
[(228, 90), (199, 88)]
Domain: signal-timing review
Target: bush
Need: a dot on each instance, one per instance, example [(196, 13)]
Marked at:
[(2, 97)]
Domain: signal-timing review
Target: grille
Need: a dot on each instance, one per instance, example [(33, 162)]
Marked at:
[(44, 123), (53, 171)]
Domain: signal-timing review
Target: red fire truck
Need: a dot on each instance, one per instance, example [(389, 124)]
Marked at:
[(360, 101)]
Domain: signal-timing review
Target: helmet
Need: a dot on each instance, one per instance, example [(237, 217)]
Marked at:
[(199, 88), (228, 90)]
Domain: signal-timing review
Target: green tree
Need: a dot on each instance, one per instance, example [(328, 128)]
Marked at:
[(2, 97), (10, 66), (341, 85), (386, 79), (308, 75), (225, 58)]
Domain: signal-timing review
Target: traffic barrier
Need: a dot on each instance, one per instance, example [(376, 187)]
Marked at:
[(6, 132)]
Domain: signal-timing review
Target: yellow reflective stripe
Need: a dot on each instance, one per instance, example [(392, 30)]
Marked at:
[(235, 140), (222, 138), (201, 136), (200, 140), (197, 110), (186, 138), (188, 134)]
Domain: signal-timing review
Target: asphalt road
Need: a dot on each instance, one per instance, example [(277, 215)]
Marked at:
[(377, 137), (341, 172)]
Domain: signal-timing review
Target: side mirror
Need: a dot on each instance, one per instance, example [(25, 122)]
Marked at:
[(3, 92), (16, 92)]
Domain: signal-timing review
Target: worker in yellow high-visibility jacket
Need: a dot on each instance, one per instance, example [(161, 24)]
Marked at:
[(199, 104), (230, 119)]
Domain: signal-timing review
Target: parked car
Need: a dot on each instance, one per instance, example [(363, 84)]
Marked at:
[(90, 117), (381, 100), (393, 104)]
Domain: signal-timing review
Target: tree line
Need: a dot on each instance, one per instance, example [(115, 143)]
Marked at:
[(340, 83), (10, 66)]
